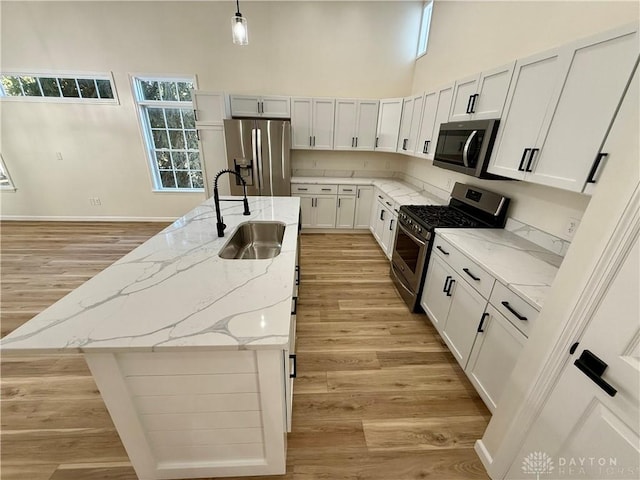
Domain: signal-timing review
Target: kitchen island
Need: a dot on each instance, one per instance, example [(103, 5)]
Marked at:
[(190, 351)]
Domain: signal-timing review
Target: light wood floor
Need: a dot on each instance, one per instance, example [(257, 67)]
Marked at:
[(378, 396)]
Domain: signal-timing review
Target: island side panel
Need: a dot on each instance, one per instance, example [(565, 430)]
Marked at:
[(197, 414)]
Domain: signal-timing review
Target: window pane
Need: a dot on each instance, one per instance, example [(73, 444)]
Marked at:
[(424, 28), (160, 139), (30, 86), (163, 159), (182, 177), (150, 90), (173, 118), (179, 160), (188, 118), (168, 91), (192, 139), (194, 161), (196, 179), (167, 180), (177, 139), (49, 87), (184, 91), (68, 87), (156, 117), (104, 88), (11, 86), (87, 88)]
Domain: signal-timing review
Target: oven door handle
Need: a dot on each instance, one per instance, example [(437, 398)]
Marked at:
[(411, 236), (465, 150)]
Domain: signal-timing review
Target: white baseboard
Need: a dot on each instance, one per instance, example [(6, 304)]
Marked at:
[(334, 230), (484, 455), (29, 218)]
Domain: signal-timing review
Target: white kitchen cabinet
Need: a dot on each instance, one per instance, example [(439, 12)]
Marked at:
[(271, 106), (389, 116), (559, 109), (213, 157), (364, 200), (312, 123), (410, 124), (209, 108), (495, 352), (384, 221), (481, 96), (346, 211), (435, 300), (434, 112), (318, 204), (355, 124)]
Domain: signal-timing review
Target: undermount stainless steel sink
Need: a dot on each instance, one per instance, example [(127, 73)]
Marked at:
[(254, 241)]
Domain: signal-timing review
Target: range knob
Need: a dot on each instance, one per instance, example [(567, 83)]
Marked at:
[(410, 222)]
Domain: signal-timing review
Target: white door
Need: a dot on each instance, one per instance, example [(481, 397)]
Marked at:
[(346, 211), (445, 96), (322, 122), (389, 115), (301, 136), (593, 89), (364, 198), (325, 211), (366, 124), (429, 109), (583, 431), (435, 300), (213, 158), (275, 107), (208, 107), (245, 105), (463, 93), (414, 128), (379, 220), (492, 92), (345, 122), (534, 90), (405, 124), (307, 212)]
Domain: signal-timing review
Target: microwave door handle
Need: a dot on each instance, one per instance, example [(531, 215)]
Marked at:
[(465, 151)]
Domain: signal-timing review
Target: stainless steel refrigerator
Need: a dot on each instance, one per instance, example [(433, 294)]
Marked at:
[(259, 150)]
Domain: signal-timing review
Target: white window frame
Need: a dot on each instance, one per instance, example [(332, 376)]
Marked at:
[(4, 172), (145, 129), (425, 26), (61, 74)]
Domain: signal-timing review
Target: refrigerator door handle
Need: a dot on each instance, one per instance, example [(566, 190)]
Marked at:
[(255, 148)]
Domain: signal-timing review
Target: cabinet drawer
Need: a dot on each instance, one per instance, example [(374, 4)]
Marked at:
[(386, 201), (347, 189), (470, 271), (315, 189), (515, 309)]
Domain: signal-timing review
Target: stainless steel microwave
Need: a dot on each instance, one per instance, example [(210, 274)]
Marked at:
[(465, 147)]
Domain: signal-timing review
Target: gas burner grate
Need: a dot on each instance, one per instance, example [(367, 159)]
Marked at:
[(435, 216)]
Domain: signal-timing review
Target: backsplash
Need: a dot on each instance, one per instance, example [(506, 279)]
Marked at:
[(346, 164), (540, 238)]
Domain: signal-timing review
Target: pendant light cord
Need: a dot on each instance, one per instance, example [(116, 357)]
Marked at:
[(238, 8)]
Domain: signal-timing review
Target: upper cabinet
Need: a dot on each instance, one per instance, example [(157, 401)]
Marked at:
[(355, 124), (389, 115), (209, 108), (410, 124), (260, 106), (312, 123), (481, 96), (559, 108), (434, 112)]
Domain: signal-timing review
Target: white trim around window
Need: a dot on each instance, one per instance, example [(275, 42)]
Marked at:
[(425, 26), (5, 179)]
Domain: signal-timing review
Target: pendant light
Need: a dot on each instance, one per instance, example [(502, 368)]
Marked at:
[(239, 30)]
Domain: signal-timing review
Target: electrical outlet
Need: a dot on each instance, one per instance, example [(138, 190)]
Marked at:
[(95, 201), (571, 227)]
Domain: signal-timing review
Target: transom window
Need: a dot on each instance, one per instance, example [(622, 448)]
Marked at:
[(92, 88), (169, 127), (425, 24)]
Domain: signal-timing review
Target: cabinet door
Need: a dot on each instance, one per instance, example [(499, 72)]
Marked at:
[(495, 352), (434, 299), (393, 224), (213, 157), (364, 198), (275, 107), (445, 97), (599, 73), (389, 115), (405, 124), (301, 136), (307, 211), (344, 126), (467, 307), (366, 125), (424, 140), (346, 211), (322, 121), (533, 92), (379, 221), (325, 211), (209, 107), (244, 105), (462, 92), (492, 92), (414, 128)]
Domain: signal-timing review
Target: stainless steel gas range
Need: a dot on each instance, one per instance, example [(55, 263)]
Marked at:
[(469, 207)]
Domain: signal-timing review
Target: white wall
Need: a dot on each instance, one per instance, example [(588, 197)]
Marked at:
[(350, 49)]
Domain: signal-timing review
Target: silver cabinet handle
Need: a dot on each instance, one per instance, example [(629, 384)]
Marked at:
[(465, 151)]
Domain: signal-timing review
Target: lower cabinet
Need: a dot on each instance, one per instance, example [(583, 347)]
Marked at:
[(364, 201), (346, 211), (318, 211), (384, 218), (483, 323)]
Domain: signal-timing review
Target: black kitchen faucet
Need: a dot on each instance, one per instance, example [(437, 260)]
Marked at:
[(216, 199)]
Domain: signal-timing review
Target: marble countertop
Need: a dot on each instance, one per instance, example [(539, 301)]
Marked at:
[(174, 292), (400, 192), (523, 267)]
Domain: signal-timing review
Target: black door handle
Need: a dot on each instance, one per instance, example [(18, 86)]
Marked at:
[(533, 152), (466, 270), (484, 317), (442, 250), (469, 104), (524, 155), (298, 275), (594, 168), (517, 315), (295, 306), (446, 282), (593, 368), (473, 103), (450, 286), (294, 370)]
